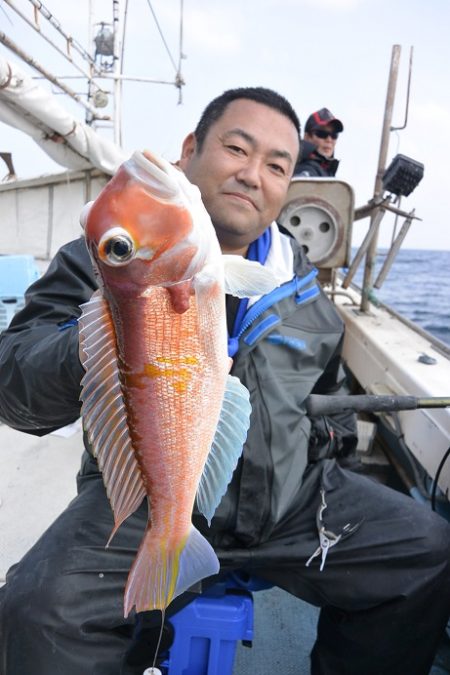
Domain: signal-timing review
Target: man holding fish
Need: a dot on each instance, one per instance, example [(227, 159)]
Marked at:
[(189, 464)]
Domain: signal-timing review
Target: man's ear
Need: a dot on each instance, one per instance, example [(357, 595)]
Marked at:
[(189, 146)]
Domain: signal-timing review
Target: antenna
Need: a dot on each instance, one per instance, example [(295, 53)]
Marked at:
[(408, 91)]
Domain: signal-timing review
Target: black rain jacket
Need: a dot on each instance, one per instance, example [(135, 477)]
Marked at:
[(312, 164), (289, 347)]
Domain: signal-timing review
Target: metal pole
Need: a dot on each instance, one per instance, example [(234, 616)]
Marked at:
[(389, 106), (371, 232), (89, 119), (117, 75), (34, 64), (395, 248), (35, 27), (39, 7)]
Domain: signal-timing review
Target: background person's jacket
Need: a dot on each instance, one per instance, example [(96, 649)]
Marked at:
[(312, 164)]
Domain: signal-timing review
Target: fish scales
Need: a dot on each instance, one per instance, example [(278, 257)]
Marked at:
[(167, 378)]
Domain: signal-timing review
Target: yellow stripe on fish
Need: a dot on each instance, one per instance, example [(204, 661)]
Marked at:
[(173, 368)]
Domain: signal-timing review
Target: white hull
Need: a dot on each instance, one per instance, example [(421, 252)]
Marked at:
[(41, 214), (382, 352)]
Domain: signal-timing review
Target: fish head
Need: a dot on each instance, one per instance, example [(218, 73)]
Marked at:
[(148, 226)]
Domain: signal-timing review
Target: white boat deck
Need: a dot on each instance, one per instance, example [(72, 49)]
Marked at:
[(37, 481)]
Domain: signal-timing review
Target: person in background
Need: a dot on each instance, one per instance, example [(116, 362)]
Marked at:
[(322, 130), (375, 561)]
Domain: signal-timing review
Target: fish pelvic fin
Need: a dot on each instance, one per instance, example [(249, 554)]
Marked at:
[(226, 448), (158, 574), (245, 278)]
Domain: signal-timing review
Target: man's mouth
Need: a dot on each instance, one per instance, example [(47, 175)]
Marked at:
[(243, 197)]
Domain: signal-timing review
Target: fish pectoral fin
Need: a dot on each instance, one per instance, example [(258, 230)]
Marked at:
[(180, 296), (226, 448), (159, 575), (244, 278)]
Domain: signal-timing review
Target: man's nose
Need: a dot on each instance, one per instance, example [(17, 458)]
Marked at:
[(250, 173)]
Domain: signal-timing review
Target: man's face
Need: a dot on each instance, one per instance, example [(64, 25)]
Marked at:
[(243, 170), (325, 146)]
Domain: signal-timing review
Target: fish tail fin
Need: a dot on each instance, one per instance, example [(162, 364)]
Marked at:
[(158, 575)]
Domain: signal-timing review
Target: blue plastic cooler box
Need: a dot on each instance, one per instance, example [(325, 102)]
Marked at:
[(17, 272), (207, 631)]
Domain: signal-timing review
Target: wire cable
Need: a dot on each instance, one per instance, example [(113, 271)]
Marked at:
[(162, 36), (122, 54), (180, 46), (436, 479)]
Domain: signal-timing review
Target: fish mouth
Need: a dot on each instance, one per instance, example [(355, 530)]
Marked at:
[(157, 174), (154, 160)]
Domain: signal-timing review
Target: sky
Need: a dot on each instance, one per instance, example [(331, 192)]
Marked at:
[(317, 53)]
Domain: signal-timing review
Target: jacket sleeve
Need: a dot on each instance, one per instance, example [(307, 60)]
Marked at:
[(333, 435), (308, 168), (40, 370)]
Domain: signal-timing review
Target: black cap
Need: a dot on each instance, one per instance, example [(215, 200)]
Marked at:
[(321, 118)]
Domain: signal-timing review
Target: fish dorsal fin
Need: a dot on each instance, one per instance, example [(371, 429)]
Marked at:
[(226, 448), (103, 411), (245, 278)]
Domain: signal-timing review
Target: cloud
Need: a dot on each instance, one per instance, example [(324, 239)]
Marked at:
[(336, 5), (430, 114), (213, 29)]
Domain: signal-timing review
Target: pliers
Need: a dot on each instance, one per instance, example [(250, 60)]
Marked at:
[(327, 538)]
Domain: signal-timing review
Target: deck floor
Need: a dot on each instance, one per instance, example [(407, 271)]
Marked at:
[(284, 633)]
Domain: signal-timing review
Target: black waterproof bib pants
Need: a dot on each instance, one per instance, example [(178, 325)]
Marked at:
[(384, 591)]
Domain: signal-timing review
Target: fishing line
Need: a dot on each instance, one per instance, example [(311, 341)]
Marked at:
[(163, 615), (436, 479)]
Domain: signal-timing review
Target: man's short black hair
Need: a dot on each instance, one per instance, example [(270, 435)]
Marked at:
[(216, 108)]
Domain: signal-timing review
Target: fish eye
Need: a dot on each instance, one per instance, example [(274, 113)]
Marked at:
[(116, 247), (119, 248)]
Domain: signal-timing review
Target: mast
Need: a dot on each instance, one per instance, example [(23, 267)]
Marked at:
[(378, 188), (103, 59), (118, 38)]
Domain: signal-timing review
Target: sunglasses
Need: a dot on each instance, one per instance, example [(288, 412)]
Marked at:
[(321, 133)]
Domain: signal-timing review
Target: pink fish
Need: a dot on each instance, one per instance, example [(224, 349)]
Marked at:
[(165, 419)]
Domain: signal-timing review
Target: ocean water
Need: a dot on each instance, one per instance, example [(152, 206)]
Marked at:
[(418, 287)]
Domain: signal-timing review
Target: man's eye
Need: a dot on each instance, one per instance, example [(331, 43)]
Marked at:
[(278, 169), (236, 148)]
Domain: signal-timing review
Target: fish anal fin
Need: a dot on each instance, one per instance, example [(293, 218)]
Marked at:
[(226, 448)]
